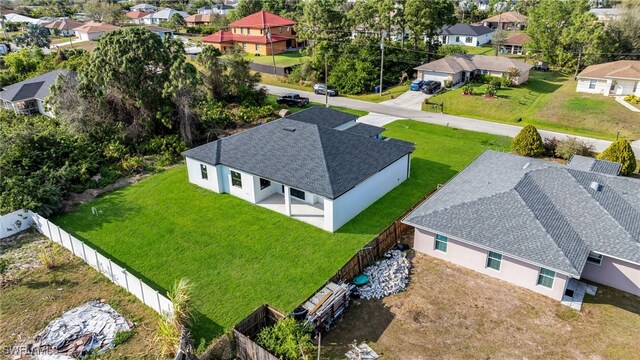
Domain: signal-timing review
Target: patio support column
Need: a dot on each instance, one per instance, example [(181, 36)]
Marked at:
[(287, 201)]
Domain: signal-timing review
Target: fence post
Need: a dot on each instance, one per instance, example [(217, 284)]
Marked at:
[(158, 298), (111, 271), (49, 228), (142, 291), (95, 253), (359, 263), (126, 281), (70, 242), (378, 250), (84, 253)]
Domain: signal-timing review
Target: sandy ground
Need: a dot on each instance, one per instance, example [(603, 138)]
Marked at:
[(453, 313)]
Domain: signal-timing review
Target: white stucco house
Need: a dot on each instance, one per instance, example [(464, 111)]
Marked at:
[(318, 166), (619, 78), (463, 67), (160, 31), (163, 15), (536, 224), (148, 8), (93, 30), (27, 97), (62, 27), (219, 9), (466, 35)]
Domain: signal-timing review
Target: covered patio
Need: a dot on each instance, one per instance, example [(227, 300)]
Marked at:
[(303, 211)]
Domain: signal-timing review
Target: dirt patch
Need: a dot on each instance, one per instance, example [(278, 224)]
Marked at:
[(38, 295), (75, 199), (452, 312)]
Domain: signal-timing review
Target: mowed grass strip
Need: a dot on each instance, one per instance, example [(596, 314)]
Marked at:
[(240, 255), (549, 101)]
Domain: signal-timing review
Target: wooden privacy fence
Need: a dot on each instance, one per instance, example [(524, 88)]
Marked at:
[(249, 327), (104, 265)]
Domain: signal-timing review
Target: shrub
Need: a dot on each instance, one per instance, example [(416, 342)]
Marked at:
[(632, 99), (620, 151), (496, 82), (484, 79), (4, 269), (171, 326), (50, 256), (573, 146), (448, 83), (491, 91), (550, 146), (132, 164), (467, 89), (528, 142), (506, 82), (122, 337), (286, 339), (512, 73), (449, 50)]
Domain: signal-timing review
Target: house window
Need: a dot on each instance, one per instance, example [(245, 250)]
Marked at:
[(594, 258), (494, 260), (264, 183), (241, 30), (297, 193), (545, 277), (468, 40), (592, 83), (244, 46), (261, 31), (457, 38), (441, 243), (236, 179), (444, 39), (203, 172), (485, 72), (257, 47), (635, 87), (280, 30)]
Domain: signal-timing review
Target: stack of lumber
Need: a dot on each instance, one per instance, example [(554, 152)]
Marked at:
[(327, 304)]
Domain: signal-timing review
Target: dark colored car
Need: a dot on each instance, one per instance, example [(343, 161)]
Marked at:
[(321, 89), (293, 100), (430, 87)]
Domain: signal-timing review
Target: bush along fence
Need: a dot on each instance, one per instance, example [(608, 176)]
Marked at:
[(117, 274)]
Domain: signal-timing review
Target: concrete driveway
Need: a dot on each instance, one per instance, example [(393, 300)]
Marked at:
[(409, 100)]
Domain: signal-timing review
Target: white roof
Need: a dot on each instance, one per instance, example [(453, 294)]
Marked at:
[(17, 18), (165, 14), (142, 6)]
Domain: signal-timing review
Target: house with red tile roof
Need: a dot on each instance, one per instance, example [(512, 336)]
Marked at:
[(260, 33), (135, 17)]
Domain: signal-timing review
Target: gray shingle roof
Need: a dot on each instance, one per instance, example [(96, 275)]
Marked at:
[(465, 30), (37, 87), (365, 130), (542, 212), (323, 116), (584, 163), (313, 158)]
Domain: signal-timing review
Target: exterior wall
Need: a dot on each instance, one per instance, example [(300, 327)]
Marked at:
[(514, 271), (616, 273), (42, 110), (195, 176), (462, 40), (441, 77), (623, 87), (602, 86), (524, 76), (246, 192), (261, 194), (275, 30), (350, 204)]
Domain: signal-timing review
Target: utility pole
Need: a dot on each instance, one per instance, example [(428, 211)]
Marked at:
[(381, 60), (578, 65), (273, 56), (326, 82)]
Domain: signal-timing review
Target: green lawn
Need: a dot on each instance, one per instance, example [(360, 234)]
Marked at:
[(240, 255), (84, 45), (480, 50), (549, 101), (289, 58), (388, 94)]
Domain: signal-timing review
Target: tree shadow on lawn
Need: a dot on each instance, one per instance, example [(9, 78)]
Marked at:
[(609, 296), (424, 178)]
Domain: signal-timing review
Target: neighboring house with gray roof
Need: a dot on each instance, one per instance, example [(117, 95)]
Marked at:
[(307, 166), (465, 35), (463, 67), (617, 78), (536, 224), (27, 97)]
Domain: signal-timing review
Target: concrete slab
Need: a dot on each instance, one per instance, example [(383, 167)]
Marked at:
[(409, 100), (311, 214), (376, 119)]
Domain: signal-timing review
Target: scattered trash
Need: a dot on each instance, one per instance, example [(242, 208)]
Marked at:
[(80, 331), (362, 352), (325, 306), (386, 277)]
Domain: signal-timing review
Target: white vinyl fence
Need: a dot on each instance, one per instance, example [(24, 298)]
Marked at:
[(104, 265), (13, 223)]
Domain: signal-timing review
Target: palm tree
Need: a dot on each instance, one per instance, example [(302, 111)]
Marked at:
[(33, 36)]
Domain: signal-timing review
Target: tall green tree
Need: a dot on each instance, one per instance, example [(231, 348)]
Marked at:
[(620, 151), (103, 11), (559, 30), (244, 8), (425, 19), (34, 35), (131, 81), (498, 39), (213, 74), (176, 22)]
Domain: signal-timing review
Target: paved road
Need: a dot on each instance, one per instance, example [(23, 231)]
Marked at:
[(439, 119)]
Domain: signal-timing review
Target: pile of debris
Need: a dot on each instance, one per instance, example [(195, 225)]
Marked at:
[(80, 331), (387, 276), (362, 352)]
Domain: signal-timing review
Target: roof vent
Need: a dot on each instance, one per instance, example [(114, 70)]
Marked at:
[(596, 186), (526, 166), (289, 129)]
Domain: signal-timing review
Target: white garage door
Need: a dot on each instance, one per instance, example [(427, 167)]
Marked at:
[(435, 76)]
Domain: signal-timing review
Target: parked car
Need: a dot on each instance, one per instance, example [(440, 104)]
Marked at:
[(416, 85), (430, 87), (321, 89), (293, 99)]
